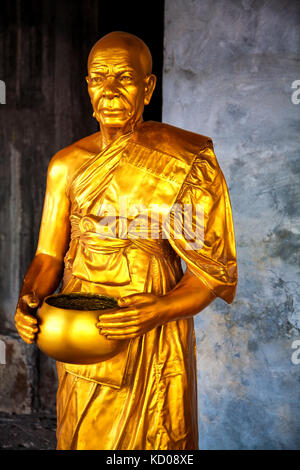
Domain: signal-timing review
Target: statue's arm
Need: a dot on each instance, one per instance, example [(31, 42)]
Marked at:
[(140, 313), (189, 297), (45, 271)]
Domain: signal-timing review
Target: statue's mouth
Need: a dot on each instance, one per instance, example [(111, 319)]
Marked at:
[(112, 110)]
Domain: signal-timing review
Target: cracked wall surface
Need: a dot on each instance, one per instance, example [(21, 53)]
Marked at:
[(228, 71)]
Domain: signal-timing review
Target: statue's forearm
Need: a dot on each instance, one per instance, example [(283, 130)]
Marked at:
[(188, 297), (43, 276)]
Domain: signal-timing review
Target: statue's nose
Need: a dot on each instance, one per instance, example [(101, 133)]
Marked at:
[(110, 89)]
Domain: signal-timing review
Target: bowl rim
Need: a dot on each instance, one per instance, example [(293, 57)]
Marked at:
[(76, 294)]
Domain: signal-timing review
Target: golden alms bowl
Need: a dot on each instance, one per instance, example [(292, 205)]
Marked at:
[(68, 332)]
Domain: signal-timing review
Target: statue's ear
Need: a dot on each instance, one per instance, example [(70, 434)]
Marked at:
[(150, 82)]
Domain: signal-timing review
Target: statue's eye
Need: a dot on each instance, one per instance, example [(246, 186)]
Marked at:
[(96, 80), (126, 78)]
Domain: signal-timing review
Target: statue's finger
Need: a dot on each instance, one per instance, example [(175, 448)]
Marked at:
[(28, 337), (125, 324), (116, 316), (27, 329), (120, 331), (24, 321), (131, 299), (33, 329), (25, 317)]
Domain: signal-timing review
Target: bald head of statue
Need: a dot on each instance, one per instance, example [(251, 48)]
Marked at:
[(120, 79), (119, 40)]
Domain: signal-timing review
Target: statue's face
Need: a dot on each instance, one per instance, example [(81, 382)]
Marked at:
[(118, 86)]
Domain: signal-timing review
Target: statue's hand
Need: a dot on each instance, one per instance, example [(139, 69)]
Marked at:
[(25, 321), (138, 314)]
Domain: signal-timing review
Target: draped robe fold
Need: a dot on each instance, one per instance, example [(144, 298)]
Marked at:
[(146, 396)]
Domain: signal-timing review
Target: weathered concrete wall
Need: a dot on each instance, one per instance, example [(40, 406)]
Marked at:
[(228, 72)]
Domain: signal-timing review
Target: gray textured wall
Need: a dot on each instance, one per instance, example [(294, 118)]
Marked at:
[(228, 70)]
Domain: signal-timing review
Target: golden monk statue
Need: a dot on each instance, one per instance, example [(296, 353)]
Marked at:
[(145, 397)]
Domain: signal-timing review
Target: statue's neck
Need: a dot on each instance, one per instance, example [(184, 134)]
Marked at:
[(110, 134)]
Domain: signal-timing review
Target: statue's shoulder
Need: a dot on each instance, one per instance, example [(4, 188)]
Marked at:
[(87, 145), (170, 139), (72, 156)]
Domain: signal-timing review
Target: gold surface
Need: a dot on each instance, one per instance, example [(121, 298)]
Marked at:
[(144, 397), (69, 335)]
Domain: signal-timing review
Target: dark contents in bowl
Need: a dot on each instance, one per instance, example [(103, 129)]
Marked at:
[(78, 301)]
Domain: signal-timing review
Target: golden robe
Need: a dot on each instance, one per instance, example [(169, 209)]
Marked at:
[(146, 396)]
